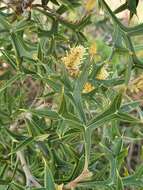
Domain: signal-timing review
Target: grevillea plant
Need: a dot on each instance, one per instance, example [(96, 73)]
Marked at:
[(71, 89)]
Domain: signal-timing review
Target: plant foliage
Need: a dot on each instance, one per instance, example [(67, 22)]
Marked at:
[(69, 118)]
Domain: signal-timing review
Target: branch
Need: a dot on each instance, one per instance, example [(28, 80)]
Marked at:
[(30, 180), (83, 176), (52, 12)]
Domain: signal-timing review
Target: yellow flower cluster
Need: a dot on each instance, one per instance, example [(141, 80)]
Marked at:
[(102, 74), (88, 88), (90, 5), (136, 85), (35, 56), (59, 187), (93, 50), (73, 59)]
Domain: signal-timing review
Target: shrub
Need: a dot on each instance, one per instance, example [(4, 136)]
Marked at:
[(70, 96)]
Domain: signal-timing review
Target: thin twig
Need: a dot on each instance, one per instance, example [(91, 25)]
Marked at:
[(129, 157), (83, 176), (52, 13), (30, 180)]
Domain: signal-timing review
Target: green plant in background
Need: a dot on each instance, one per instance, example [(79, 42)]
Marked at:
[(70, 96)]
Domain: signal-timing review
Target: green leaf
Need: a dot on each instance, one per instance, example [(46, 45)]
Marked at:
[(112, 15), (129, 107), (117, 146), (48, 178), (63, 106), (136, 30), (41, 137), (8, 83), (78, 169), (128, 118), (79, 85), (132, 6), (22, 25), (107, 115), (9, 58), (23, 144), (44, 112), (21, 48), (4, 182), (120, 185), (101, 120), (4, 23), (116, 102), (15, 136), (121, 8)]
